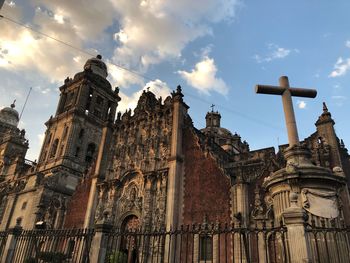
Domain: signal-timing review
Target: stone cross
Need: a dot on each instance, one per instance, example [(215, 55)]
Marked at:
[(287, 93)]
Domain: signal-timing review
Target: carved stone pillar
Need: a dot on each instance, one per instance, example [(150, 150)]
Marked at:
[(295, 218), (99, 244), (176, 170)]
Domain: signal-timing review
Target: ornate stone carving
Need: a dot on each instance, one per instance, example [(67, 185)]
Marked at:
[(320, 202)]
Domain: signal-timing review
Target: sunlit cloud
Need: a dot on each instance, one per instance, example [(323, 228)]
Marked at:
[(301, 104), (340, 68), (274, 52), (204, 77)]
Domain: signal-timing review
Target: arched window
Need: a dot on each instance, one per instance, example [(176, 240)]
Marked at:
[(48, 139), (90, 153), (65, 132), (81, 134), (54, 148), (19, 221)]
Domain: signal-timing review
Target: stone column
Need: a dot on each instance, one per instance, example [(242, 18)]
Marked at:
[(295, 218), (100, 170), (10, 245), (98, 251), (240, 215), (175, 175), (262, 247), (92, 203)]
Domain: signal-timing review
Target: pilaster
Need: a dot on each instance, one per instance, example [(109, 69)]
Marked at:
[(295, 219), (10, 245), (99, 243)]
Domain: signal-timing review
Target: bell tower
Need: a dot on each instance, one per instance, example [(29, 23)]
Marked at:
[(87, 104)]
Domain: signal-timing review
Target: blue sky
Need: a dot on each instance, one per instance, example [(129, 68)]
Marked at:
[(217, 50)]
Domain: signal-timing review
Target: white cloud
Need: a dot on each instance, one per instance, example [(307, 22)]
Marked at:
[(157, 31), (22, 50), (301, 104), (158, 87), (340, 68), (146, 34), (339, 100), (122, 76), (337, 87), (203, 77), (347, 43), (274, 52)]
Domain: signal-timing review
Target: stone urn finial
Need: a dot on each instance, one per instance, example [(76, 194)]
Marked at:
[(293, 196)]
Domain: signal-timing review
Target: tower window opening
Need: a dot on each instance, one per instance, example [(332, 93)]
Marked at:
[(70, 98), (77, 151), (99, 100), (90, 151), (88, 103), (19, 221), (54, 148), (81, 133), (24, 205), (48, 138), (65, 132), (61, 150), (97, 113)]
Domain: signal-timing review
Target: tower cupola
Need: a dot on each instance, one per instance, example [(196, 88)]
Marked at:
[(213, 119), (9, 115), (97, 66)]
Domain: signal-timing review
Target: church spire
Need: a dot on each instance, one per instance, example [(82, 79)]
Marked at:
[(325, 109), (325, 117)]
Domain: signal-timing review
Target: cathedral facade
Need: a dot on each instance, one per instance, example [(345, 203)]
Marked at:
[(151, 168)]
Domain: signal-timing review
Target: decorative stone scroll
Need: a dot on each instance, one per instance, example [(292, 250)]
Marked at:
[(320, 202)]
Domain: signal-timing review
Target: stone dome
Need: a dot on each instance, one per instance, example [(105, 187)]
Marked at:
[(219, 131), (97, 66), (9, 115)]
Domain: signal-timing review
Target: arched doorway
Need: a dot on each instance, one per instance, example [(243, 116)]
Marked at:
[(129, 243)]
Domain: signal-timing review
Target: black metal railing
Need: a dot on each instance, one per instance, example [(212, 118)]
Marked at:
[(199, 243), (3, 239), (329, 242), (70, 245)]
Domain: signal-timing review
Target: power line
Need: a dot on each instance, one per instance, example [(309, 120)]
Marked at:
[(25, 103), (139, 74), (71, 46)]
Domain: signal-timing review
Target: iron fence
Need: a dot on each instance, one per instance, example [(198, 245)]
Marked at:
[(202, 243), (329, 242), (69, 245), (3, 239)]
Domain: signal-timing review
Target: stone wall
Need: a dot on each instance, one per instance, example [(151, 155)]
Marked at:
[(206, 188), (77, 205)]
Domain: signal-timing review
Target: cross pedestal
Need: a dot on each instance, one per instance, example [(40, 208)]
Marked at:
[(287, 93)]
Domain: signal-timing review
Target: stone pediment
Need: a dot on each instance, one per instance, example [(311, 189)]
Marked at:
[(147, 102)]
